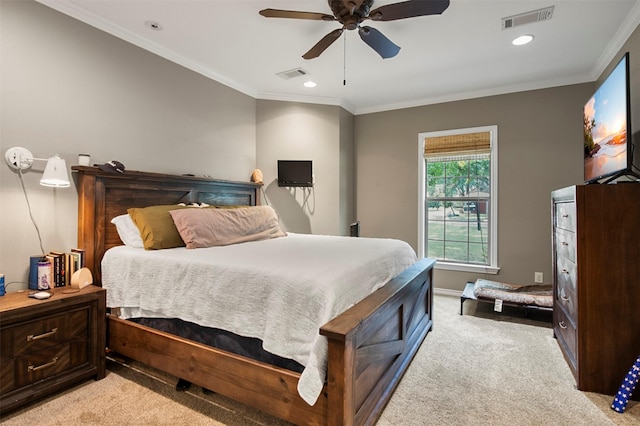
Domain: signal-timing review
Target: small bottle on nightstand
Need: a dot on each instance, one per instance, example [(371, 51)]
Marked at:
[(2, 285)]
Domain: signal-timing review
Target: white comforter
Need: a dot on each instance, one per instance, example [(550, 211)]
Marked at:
[(280, 290)]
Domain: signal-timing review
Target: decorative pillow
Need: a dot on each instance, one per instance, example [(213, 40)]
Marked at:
[(219, 227), (156, 226), (127, 231)]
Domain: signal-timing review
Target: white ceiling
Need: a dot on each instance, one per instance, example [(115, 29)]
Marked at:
[(463, 53)]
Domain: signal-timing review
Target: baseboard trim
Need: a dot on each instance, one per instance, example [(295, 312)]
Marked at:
[(447, 292)]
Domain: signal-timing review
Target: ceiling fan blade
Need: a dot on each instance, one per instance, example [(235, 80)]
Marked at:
[(409, 9), (378, 42), (322, 45), (277, 13)]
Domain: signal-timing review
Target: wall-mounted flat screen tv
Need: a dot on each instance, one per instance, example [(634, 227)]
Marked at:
[(295, 173), (608, 146)]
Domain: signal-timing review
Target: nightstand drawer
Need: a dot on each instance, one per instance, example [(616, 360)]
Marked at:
[(41, 334), (45, 363)]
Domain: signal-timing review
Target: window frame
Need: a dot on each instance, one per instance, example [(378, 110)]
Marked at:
[(492, 267)]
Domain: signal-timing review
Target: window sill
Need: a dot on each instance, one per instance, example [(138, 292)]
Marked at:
[(464, 267)]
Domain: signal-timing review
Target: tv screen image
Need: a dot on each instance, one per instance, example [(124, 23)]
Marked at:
[(607, 126), (295, 173)]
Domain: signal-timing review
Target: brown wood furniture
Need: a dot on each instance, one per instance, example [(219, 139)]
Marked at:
[(370, 345), (47, 345), (596, 234)]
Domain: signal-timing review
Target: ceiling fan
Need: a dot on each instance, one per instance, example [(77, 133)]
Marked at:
[(351, 13)]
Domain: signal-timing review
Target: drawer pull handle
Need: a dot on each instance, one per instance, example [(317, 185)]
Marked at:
[(564, 243), (565, 215), (562, 325), (564, 298), (564, 271), (32, 337), (32, 368)]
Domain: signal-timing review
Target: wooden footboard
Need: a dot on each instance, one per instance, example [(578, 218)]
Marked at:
[(370, 347), (372, 344)]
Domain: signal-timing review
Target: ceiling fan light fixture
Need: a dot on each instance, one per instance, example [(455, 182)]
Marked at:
[(523, 39)]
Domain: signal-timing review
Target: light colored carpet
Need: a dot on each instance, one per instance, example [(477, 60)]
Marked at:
[(476, 369)]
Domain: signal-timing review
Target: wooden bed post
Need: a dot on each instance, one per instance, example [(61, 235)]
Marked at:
[(340, 382)]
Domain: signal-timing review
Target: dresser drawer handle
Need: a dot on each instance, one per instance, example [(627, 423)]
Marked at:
[(564, 298), (564, 271), (32, 368), (565, 215), (564, 243), (562, 325), (42, 336)]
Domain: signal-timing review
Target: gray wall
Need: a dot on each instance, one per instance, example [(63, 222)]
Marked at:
[(323, 134), (68, 88), (540, 149)]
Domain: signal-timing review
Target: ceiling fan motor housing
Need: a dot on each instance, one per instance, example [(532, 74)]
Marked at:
[(348, 13)]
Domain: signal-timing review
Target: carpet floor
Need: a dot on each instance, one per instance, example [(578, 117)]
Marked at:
[(482, 368)]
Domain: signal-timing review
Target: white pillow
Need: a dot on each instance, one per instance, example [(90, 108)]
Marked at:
[(128, 231)]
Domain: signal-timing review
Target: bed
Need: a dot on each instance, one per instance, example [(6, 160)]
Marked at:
[(368, 346), (538, 297)]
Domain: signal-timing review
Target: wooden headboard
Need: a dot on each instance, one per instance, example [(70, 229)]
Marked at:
[(105, 195)]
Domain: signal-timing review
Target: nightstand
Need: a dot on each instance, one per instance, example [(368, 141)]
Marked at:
[(47, 345)]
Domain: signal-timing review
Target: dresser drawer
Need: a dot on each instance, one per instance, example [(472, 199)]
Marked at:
[(566, 274), (566, 244), (567, 299), (566, 333), (36, 335), (565, 216)]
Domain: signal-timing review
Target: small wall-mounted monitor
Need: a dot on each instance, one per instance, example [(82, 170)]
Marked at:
[(295, 173)]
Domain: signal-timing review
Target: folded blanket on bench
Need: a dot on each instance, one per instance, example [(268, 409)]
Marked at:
[(534, 295)]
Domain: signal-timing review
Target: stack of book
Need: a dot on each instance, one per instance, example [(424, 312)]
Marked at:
[(63, 265)]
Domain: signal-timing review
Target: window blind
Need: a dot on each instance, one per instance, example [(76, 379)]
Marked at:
[(465, 143)]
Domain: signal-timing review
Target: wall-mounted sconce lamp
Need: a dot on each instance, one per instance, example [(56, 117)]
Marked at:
[(55, 173)]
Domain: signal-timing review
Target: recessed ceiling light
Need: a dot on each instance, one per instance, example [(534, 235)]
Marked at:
[(310, 84), (154, 25), (523, 39)]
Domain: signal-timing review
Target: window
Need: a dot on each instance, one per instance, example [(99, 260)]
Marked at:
[(458, 198)]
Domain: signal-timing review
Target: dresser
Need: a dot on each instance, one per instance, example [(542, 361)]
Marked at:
[(596, 272), (46, 345)]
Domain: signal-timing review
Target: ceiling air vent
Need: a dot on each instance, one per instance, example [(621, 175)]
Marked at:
[(296, 72), (528, 17)]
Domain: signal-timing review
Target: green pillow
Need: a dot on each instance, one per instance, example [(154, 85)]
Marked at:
[(156, 226)]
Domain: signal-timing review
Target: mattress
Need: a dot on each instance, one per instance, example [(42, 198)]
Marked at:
[(280, 290)]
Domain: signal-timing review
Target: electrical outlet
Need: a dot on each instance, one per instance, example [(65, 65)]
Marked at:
[(538, 278)]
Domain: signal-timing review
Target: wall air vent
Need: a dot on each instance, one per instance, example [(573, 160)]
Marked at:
[(296, 72), (527, 18)]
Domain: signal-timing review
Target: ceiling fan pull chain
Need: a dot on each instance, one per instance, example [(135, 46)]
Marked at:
[(344, 62)]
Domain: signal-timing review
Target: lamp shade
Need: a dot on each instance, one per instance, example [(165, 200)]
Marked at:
[(55, 174)]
